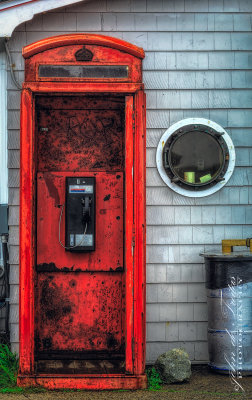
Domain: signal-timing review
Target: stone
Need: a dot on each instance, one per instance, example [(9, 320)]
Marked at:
[(174, 366)]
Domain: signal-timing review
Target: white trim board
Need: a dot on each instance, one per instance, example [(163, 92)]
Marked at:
[(17, 12), (3, 131), (12, 3)]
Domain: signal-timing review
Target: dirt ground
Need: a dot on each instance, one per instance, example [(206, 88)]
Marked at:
[(204, 385)]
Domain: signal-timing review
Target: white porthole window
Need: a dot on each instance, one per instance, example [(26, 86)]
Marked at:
[(195, 157)]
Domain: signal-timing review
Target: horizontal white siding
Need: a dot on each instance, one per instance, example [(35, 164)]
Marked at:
[(198, 64)]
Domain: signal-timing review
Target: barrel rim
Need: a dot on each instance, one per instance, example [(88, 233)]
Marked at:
[(235, 255)]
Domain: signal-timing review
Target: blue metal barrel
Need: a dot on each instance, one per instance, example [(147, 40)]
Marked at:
[(229, 298)]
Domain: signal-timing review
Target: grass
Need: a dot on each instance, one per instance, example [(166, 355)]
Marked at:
[(14, 389), (154, 379), (9, 371), (8, 368)]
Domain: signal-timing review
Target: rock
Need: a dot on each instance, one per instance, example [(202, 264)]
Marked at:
[(174, 366)]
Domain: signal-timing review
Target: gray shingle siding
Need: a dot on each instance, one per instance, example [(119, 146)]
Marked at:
[(198, 64)]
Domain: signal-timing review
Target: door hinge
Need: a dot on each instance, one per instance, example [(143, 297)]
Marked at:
[(133, 235), (133, 349)]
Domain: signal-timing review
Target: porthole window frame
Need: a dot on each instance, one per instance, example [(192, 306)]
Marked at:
[(199, 190)]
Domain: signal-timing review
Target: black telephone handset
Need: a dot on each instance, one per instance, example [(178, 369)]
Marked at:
[(86, 208)]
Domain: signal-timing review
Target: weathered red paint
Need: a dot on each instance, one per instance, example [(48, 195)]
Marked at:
[(87, 39), (140, 218), (129, 235), (73, 315), (80, 133), (91, 382), (92, 306)]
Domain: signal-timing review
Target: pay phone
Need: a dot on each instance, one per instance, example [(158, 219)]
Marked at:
[(80, 214)]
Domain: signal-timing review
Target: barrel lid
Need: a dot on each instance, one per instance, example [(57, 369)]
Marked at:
[(235, 255)]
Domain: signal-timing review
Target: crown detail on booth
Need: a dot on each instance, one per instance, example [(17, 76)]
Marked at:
[(84, 55)]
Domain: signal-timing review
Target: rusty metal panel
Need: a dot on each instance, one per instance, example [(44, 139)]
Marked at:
[(80, 133), (79, 312), (109, 252)]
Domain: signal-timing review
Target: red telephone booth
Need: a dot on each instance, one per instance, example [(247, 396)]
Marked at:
[(82, 214)]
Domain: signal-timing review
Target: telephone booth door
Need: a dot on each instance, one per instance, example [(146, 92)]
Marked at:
[(82, 219)]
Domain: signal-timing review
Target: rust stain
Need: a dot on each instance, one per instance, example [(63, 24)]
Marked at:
[(111, 341), (72, 283), (51, 267), (47, 343), (52, 189), (54, 303), (80, 137), (80, 314)]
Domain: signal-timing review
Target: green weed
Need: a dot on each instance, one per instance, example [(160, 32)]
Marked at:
[(154, 379), (14, 389), (8, 367)]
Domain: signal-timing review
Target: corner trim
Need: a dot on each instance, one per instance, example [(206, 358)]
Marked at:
[(3, 131), (17, 12)]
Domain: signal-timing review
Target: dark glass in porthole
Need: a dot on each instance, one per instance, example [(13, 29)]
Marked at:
[(195, 157)]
